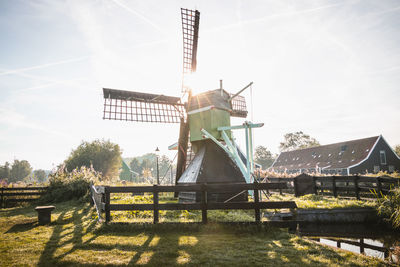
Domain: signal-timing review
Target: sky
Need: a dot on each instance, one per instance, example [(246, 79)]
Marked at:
[(327, 68)]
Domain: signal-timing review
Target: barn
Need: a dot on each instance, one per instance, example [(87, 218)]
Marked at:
[(367, 155)]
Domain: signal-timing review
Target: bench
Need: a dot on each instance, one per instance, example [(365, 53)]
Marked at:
[(44, 214)]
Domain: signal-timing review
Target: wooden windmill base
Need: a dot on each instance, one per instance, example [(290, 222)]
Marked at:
[(211, 165)]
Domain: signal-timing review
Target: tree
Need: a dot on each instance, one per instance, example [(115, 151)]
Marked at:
[(297, 140), (263, 156), (39, 175), (397, 150), (135, 166), (102, 155), (147, 164), (5, 171), (19, 170)]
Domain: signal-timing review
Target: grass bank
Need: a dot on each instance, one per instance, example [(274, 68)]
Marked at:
[(74, 238), (304, 202), (324, 202)]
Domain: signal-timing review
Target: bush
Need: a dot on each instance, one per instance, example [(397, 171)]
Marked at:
[(65, 185), (389, 206)]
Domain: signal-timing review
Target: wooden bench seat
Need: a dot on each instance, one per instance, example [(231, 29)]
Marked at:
[(44, 214)]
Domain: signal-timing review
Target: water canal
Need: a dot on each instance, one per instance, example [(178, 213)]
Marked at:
[(369, 239)]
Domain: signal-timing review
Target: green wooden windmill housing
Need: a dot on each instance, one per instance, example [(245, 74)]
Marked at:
[(205, 123)]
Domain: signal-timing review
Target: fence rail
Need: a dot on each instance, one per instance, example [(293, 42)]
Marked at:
[(20, 194), (355, 186), (101, 198)]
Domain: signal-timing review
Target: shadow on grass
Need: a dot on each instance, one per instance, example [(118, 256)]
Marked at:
[(22, 227), (169, 245), (78, 240)]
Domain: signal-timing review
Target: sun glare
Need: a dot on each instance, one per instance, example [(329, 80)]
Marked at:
[(196, 82)]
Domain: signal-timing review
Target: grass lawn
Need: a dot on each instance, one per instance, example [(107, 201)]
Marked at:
[(75, 238), (324, 202)]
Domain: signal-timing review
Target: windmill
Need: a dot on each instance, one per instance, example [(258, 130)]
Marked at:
[(204, 123)]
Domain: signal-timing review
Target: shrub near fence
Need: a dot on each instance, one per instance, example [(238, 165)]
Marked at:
[(101, 198), (20, 194), (356, 186)]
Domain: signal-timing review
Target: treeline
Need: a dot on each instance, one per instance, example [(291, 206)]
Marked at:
[(21, 170), (145, 167)]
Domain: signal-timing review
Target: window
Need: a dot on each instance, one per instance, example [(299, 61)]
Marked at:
[(352, 152), (376, 169), (329, 155), (343, 148), (382, 157)]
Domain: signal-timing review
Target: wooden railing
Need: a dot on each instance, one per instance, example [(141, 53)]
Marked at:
[(20, 194), (101, 197), (356, 186), (360, 244)]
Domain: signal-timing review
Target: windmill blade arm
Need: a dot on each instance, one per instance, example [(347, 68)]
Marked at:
[(190, 34), (141, 107), (138, 96)]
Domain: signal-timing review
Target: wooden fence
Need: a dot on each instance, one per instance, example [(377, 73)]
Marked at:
[(101, 198), (360, 244), (355, 186), (20, 194)]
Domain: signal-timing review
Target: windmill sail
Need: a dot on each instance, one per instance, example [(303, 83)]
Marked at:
[(141, 107), (239, 108), (190, 29)]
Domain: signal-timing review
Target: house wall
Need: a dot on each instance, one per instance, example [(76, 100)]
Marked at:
[(374, 160)]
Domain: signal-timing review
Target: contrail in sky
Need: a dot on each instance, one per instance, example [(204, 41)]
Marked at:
[(273, 16), (43, 65), (130, 10)]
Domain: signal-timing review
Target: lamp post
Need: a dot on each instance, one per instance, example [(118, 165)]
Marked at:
[(158, 173)]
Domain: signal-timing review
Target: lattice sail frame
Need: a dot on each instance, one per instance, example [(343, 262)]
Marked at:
[(142, 107), (239, 108), (190, 29)]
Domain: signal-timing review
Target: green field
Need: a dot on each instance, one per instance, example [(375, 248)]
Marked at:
[(75, 238)]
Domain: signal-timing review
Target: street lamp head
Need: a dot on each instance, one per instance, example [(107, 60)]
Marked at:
[(157, 150)]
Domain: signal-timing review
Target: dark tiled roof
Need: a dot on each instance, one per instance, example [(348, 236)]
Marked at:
[(333, 156)]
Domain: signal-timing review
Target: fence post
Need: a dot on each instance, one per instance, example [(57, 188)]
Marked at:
[(256, 201), (1, 200), (361, 245), (334, 190), (107, 203), (322, 186), (204, 203), (356, 188), (315, 185), (379, 185), (280, 190), (91, 195), (296, 191), (155, 204)]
